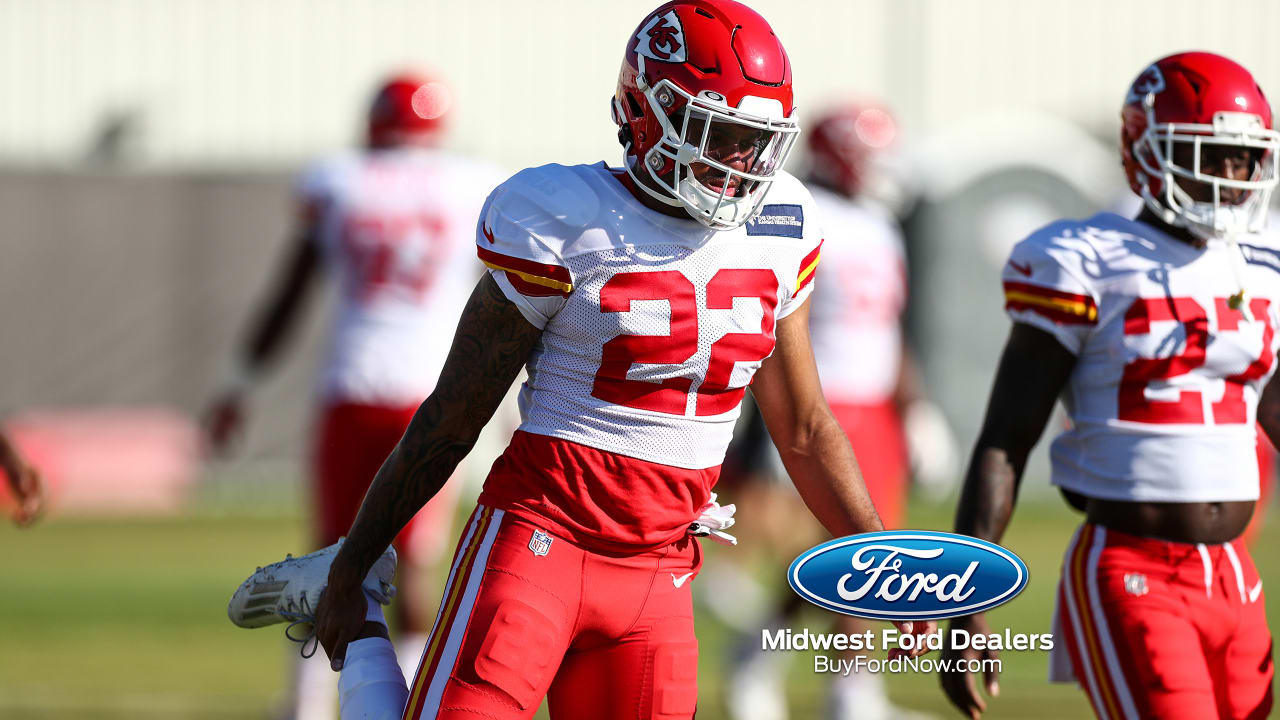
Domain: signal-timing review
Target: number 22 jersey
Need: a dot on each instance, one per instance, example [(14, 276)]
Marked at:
[(1164, 394), (652, 328)]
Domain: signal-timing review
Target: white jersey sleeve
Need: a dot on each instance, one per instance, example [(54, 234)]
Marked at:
[(1046, 285), (518, 238), (797, 219)]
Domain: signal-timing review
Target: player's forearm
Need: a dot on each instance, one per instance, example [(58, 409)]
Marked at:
[(277, 318), (421, 463), (825, 472), (990, 490), (491, 344)]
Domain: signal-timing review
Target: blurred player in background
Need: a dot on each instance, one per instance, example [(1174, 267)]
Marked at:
[(25, 483), (644, 300), (1159, 335), (871, 383), (394, 224)]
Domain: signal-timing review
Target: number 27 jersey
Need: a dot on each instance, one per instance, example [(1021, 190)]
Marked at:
[(652, 325), (1164, 395)]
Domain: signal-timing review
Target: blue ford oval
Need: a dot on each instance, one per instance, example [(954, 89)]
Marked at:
[(907, 575)]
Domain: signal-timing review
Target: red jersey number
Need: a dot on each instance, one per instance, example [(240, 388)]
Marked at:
[(1133, 404), (393, 253), (671, 395)]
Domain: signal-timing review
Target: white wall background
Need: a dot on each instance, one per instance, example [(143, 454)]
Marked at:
[(231, 83)]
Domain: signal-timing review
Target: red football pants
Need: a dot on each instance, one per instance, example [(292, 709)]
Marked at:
[(352, 442), (1165, 630), (527, 615)]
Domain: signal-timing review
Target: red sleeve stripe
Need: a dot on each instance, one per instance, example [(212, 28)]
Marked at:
[(1060, 307), (528, 277), (807, 266)]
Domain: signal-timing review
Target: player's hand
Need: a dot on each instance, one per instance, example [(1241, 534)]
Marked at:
[(28, 490), (223, 422), (919, 628), (959, 684), (341, 613)]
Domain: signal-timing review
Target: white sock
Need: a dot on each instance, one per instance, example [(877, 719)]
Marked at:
[(371, 686)]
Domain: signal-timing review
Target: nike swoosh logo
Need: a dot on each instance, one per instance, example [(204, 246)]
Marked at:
[(488, 235), (1024, 269), (678, 581)]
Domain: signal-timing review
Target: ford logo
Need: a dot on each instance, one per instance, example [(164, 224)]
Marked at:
[(907, 575)]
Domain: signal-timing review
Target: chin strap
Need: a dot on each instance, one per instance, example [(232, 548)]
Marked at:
[(629, 162)]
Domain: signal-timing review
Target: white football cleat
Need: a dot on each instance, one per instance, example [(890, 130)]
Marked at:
[(289, 590)]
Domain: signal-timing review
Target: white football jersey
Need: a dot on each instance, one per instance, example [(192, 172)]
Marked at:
[(858, 301), (396, 228), (1164, 394), (652, 325)]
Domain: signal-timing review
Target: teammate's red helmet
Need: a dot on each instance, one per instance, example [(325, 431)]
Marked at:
[(706, 83), (1203, 100), (842, 142), (408, 108)]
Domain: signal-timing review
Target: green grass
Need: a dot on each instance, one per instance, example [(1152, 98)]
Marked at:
[(125, 618)]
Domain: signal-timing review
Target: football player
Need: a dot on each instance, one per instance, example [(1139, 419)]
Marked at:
[(643, 300), (393, 223), (1158, 333), (24, 482)]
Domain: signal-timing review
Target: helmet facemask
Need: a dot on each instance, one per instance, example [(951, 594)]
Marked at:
[(1156, 152), (699, 159)]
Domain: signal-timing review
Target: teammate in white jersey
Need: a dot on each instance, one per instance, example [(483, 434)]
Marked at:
[(1158, 334), (643, 301), (393, 224)]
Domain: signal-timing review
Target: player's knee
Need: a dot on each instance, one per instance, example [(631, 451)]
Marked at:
[(518, 653)]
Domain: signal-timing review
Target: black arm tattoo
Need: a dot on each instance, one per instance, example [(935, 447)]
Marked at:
[(491, 344)]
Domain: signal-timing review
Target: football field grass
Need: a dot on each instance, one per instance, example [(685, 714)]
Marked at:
[(126, 618)]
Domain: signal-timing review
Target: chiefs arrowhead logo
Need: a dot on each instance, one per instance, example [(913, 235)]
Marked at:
[(1150, 81), (662, 38)]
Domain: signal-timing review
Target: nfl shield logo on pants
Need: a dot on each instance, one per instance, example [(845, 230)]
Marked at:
[(1135, 584), (540, 543)]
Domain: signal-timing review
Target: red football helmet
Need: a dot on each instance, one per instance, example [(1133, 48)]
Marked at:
[(408, 108), (1205, 101), (704, 107), (843, 141)]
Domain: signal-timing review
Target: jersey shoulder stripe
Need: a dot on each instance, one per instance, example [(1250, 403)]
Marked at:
[(528, 277), (525, 226), (807, 267), (1056, 305)]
